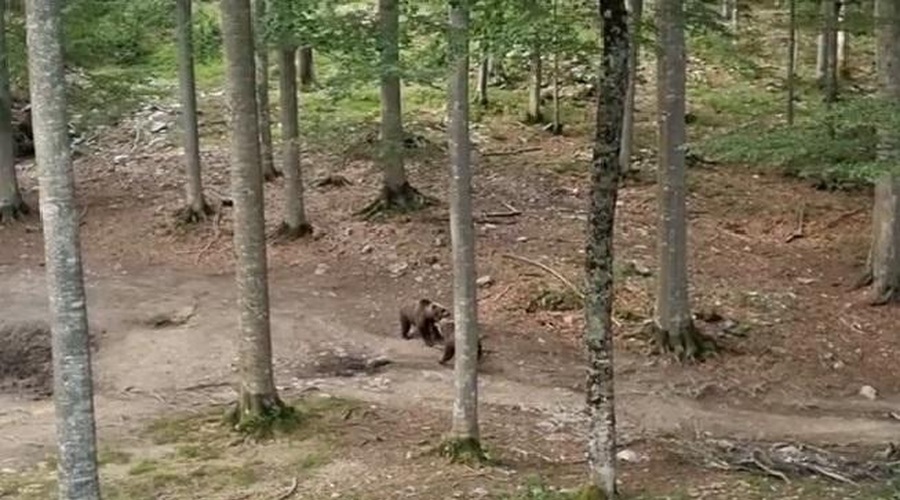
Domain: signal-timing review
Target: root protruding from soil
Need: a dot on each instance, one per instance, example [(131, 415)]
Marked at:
[(12, 212), (403, 200), (687, 345), (288, 233), (334, 181), (189, 214), (463, 451), (260, 416)]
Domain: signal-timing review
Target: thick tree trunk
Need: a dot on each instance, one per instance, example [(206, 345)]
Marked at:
[(634, 62), (462, 233), (885, 251), (295, 224), (306, 68), (258, 396), (826, 65), (195, 208), (262, 90), (12, 206), (673, 315), (72, 385), (534, 90), (605, 171), (791, 63)]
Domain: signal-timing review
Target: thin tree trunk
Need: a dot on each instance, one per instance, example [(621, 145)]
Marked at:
[(306, 68), (842, 42), (673, 315), (828, 51), (534, 93), (634, 62), (885, 251), (792, 46), (72, 385), (195, 208), (599, 298), (484, 74), (295, 223), (262, 90), (557, 124), (462, 234), (257, 393), (12, 206)]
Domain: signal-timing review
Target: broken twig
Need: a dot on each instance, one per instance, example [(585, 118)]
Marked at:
[(549, 270), (511, 152), (290, 492)]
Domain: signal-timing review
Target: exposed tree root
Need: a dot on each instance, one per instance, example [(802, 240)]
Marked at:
[(12, 212), (403, 200), (884, 297), (463, 451), (688, 345), (189, 214), (259, 416), (286, 232)]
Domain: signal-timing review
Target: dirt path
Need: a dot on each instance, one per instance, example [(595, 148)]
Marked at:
[(143, 371)]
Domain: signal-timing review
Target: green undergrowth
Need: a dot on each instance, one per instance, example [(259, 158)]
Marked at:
[(198, 456)]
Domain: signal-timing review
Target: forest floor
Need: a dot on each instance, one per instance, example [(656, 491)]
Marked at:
[(773, 256)]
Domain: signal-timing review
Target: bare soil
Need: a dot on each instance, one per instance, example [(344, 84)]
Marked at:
[(797, 342)]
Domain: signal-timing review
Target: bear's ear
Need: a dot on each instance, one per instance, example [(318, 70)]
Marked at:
[(424, 302)]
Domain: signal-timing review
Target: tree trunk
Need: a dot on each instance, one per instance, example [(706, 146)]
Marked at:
[(262, 90), (673, 315), (12, 206), (634, 62), (885, 252), (462, 234), (396, 193), (195, 208), (258, 396), (72, 384), (826, 67), (295, 224), (534, 93), (842, 42), (605, 171), (484, 74), (792, 46), (307, 69), (557, 123)]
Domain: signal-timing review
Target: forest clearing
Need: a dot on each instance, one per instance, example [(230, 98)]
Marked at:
[(799, 400)]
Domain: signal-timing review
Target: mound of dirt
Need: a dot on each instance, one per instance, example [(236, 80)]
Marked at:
[(25, 359), (26, 364)]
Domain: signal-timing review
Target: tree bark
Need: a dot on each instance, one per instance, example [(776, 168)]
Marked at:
[(605, 171), (262, 90), (557, 123), (12, 206), (462, 233), (885, 251), (195, 208), (295, 224), (791, 63), (306, 68), (675, 329), (842, 42), (73, 391), (826, 67), (634, 62), (258, 395), (534, 91)]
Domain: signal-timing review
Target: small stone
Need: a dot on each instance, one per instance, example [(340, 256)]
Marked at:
[(321, 269), (120, 159), (367, 249), (437, 267), (522, 239), (868, 392), (440, 241), (484, 281), (398, 268), (629, 456), (838, 365), (480, 492)]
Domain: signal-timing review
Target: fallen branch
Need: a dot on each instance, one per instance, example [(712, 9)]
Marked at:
[(499, 295), (846, 215), (290, 492), (511, 152), (549, 270), (511, 212), (798, 233)]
